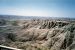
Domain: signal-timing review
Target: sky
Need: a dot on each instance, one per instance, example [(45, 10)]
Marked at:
[(46, 8)]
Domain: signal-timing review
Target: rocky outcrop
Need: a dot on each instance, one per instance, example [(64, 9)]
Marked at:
[(54, 35), (52, 24)]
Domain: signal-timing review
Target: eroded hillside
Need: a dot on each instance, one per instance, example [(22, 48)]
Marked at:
[(38, 34)]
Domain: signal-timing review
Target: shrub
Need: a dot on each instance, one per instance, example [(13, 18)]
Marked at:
[(71, 28), (11, 36), (14, 23), (2, 22)]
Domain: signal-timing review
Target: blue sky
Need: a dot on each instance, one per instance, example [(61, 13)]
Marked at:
[(52, 8)]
